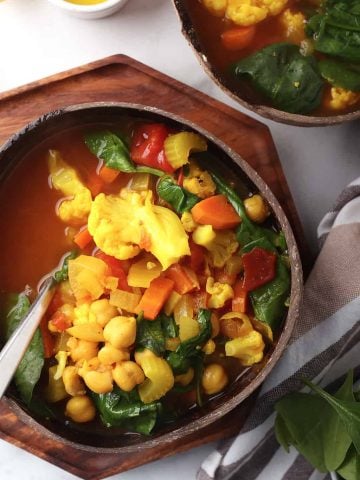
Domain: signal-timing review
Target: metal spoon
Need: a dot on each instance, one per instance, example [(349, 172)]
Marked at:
[(15, 347)]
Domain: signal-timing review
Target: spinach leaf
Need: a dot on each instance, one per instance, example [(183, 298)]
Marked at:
[(310, 423), (334, 429), (29, 370), (301, 414), (248, 231), (178, 197), (269, 300), (350, 469), (168, 325), (111, 149), (149, 334), (347, 410), (114, 152), (126, 410), (187, 352), (291, 81), (63, 274), (340, 74), (336, 30)]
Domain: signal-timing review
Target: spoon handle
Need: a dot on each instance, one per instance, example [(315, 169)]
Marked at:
[(15, 347)]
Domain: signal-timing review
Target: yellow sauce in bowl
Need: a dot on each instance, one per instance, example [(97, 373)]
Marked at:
[(85, 2)]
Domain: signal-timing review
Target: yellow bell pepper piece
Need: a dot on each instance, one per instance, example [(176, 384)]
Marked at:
[(125, 300), (143, 272), (91, 332)]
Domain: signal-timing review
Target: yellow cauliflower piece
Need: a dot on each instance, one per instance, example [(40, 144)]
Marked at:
[(64, 178), (216, 7), (293, 25), (61, 358), (249, 349), (341, 98), (123, 224), (189, 223), (220, 293), (246, 12), (250, 12), (199, 182), (220, 244), (274, 6)]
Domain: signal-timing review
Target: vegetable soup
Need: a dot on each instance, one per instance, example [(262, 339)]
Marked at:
[(299, 56), (171, 284)]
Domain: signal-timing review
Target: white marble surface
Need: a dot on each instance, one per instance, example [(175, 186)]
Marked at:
[(38, 40)]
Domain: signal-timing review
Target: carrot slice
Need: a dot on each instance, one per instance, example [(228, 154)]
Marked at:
[(108, 175), (155, 297), (215, 211), (184, 279), (83, 238), (238, 38)]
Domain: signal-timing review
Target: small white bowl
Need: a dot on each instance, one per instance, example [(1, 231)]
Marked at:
[(90, 12)]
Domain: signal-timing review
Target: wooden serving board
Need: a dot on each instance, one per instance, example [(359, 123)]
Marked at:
[(120, 78)]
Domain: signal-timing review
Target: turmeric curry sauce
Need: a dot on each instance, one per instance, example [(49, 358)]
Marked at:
[(300, 56), (170, 284)]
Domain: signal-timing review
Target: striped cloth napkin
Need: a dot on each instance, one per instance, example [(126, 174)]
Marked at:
[(323, 347)]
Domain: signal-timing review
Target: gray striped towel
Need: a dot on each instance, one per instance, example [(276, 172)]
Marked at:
[(323, 347)]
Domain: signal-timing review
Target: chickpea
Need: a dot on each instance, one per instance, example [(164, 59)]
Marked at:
[(120, 332), (73, 384), (103, 311), (185, 378), (81, 349), (127, 375), (99, 381), (80, 409), (109, 355), (256, 208), (209, 347), (214, 378)]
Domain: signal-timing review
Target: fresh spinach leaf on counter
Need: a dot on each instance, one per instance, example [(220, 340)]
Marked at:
[(178, 197), (114, 152), (187, 352), (63, 274), (29, 370), (126, 410), (291, 81), (340, 74), (336, 30), (318, 426)]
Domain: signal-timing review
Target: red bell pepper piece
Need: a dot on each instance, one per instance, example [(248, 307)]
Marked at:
[(240, 302), (197, 257), (147, 147), (117, 268), (259, 268)]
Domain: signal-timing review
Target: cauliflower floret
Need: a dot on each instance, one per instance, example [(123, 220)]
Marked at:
[(123, 224), (249, 349), (250, 12), (199, 182), (61, 358), (293, 25), (341, 98), (64, 178), (221, 245), (220, 293), (274, 6), (246, 12), (216, 7), (189, 223)]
